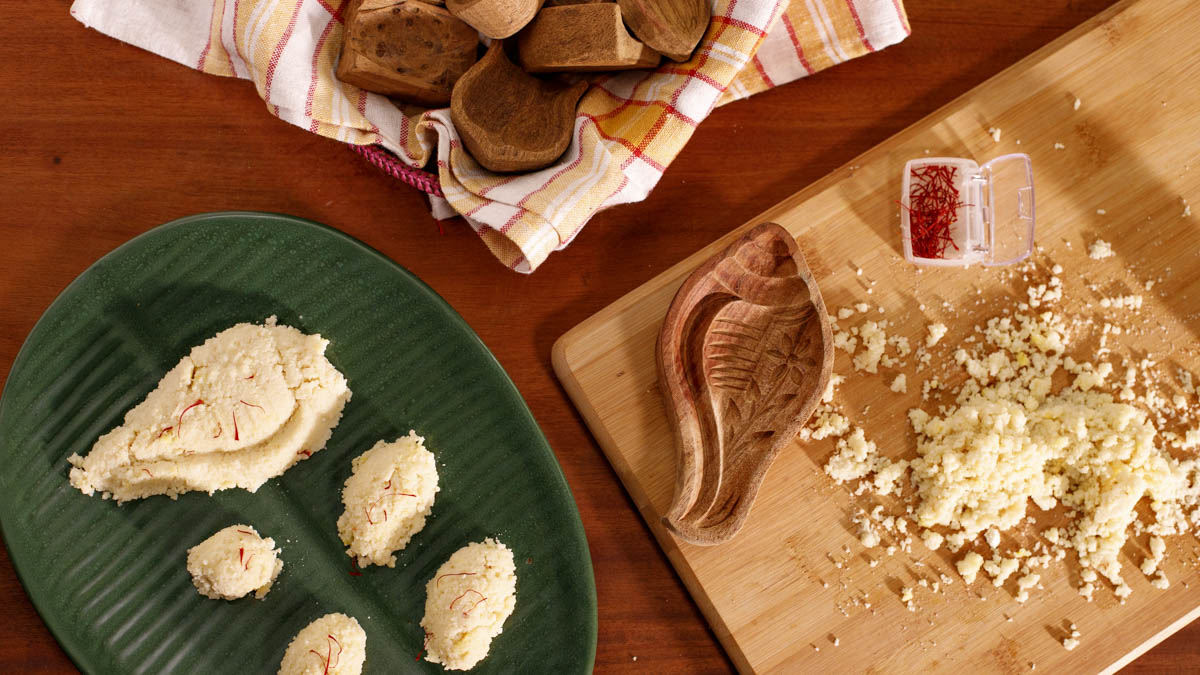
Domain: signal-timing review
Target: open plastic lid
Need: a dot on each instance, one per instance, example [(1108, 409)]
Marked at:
[(1006, 197)]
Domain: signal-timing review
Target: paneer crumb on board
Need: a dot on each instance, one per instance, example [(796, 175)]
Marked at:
[(1030, 429), (234, 562), (334, 644), (387, 497), (467, 602)]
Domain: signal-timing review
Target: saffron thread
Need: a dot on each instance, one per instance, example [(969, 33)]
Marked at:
[(933, 204), (423, 645), (328, 663), (438, 583), (180, 423), (469, 590)]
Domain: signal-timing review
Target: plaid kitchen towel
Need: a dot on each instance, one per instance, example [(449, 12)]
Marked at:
[(628, 128)]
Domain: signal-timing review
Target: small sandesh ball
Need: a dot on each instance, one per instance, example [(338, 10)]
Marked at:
[(387, 497), (334, 644), (467, 602), (233, 563)]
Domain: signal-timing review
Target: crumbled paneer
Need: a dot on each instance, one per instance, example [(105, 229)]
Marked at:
[(999, 569), (855, 457), (969, 566), (1158, 548), (845, 341), (845, 313), (1009, 441), (831, 387), (1133, 302), (1071, 641), (1025, 583), (1030, 429), (994, 132), (1077, 103), (933, 540), (936, 332), (874, 341), (888, 475), (862, 307), (826, 422), (1099, 250)]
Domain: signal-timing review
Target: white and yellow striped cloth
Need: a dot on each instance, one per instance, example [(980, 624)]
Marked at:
[(628, 129)]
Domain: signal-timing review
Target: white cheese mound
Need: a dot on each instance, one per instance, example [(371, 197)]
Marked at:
[(242, 408), (233, 563), (1099, 250), (334, 644), (1008, 441), (387, 497), (467, 602), (900, 384)]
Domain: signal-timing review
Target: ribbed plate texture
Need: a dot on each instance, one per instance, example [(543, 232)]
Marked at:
[(111, 581)]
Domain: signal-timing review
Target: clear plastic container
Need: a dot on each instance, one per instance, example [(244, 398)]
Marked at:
[(994, 225)]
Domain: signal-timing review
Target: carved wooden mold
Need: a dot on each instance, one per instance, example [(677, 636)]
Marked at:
[(744, 355)]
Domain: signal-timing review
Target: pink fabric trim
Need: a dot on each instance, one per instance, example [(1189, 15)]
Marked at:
[(392, 166)]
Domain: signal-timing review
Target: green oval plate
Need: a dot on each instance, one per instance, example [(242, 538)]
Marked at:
[(110, 581)]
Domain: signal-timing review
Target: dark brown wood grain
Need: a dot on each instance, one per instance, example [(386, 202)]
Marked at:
[(102, 141)]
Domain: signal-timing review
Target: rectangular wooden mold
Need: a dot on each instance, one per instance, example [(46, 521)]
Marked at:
[(774, 595)]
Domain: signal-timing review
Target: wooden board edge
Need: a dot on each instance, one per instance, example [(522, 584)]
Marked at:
[(1152, 641), (560, 360), (685, 266)]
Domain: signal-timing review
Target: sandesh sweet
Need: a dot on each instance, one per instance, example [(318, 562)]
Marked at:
[(233, 563), (387, 497), (467, 603), (334, 644), (240, 409)]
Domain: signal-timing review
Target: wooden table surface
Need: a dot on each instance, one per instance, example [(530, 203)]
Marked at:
[(100, 141)]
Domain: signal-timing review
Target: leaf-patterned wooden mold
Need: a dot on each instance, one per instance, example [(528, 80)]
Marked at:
[(744, 355)]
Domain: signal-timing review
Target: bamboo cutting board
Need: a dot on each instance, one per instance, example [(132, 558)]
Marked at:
[(795, 581)]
